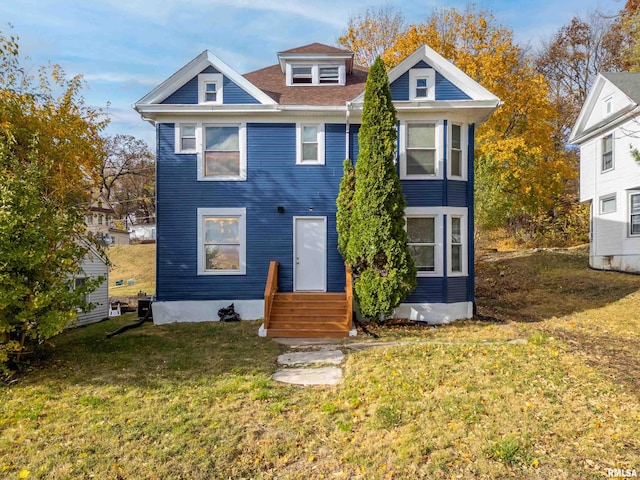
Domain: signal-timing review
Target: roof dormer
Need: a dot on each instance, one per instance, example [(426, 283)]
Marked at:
[(315, 65)]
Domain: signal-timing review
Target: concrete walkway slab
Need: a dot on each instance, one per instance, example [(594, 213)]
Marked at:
[(304, 358), (309, 376)]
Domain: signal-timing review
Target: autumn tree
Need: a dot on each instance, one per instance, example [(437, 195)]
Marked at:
[(50, 148), (377, 241), (520, 174), (127, 177), (371, 33)]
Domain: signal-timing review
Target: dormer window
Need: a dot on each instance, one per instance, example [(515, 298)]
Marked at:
[(316, 74), (329, 75), (210, 88), (422, 84)]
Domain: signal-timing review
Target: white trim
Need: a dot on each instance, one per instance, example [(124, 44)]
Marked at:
[(629, 213), (315, 73), (605, 198), (464, 149), (613, 155), (464, 237), (178, 137), (437, 214), (299, 143), (414, 75), (179, 311), (207, 78), (326, 246), (241, 213), (201, 145), (193, 68), (438, 156), (433, 313)]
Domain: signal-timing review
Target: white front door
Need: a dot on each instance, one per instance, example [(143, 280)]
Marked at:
[(309, 254)]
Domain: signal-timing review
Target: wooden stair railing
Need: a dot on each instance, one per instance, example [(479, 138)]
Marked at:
[(348, 288), (270, 291)]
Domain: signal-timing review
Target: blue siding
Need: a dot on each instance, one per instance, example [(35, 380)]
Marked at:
[(423, 193), (273, 180), (445, 90), (188, 93), (457, 193)]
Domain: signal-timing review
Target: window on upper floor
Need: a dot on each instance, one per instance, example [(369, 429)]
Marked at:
[(608, 105), (187, 137), (221, 241), (422, 84), (608, 204), (315, 74), (210, 88), (224, 153), (607, 153), (634, 213), (310, 144), (456, 156), (420, 150)]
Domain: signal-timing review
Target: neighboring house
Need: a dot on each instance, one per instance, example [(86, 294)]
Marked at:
[(94, 266), (101, 222), (607, 131), (248, 171), (145, 232)]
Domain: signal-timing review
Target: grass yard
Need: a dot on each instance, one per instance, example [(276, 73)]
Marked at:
[(550, 391), (136, 262)]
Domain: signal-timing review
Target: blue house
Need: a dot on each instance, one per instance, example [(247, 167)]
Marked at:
[(248, 170)]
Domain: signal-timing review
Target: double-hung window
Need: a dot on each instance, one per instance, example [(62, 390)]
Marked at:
[(421, 149), (210, 88), (421, 238), (211, 92), (329, 75), (634, 213), (221, 241), (455, 165), (607, 153), (310, 144), (422, 87), (456, 245), (422, 84), (187, 137), (222, 157), (301, 75)]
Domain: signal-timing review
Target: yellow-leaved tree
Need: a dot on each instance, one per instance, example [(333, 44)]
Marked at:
[(521, 175)]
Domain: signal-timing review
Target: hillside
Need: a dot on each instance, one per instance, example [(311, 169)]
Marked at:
[(137, 262)]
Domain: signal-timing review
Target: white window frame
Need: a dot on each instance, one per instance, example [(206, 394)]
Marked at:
[(436, 213), (602, 152), (438, 153), (607, 198), (608, 106), (315, 74), (460, 213), (630, 214), (205, 78), (299, 143), (464, 147), (242, 144), (180, 136), (414, 75), (241, 214)]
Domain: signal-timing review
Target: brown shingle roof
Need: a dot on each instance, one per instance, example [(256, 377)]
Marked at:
[(271, 81), (316, 48)]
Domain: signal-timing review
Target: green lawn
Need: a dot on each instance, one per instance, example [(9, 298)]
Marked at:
[(539, 395)]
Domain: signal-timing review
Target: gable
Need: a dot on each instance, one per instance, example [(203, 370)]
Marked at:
[(444, 88), (606, 105), (187, 94)]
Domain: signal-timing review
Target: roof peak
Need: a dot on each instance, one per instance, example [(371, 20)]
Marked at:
[(316, 48)]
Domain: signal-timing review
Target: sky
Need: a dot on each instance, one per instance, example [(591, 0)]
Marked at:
[(125, 48)]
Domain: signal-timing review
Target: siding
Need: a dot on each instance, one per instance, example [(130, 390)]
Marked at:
[(93, 266), (445, 90), (273, 180), (232, 93)]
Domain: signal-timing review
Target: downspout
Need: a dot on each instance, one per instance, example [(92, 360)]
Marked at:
[(348, 108)]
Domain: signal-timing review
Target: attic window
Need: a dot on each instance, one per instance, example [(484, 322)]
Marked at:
[(422, 87), (301, 75), (210, 88), (422, 84), (608, 105), (329, 74)]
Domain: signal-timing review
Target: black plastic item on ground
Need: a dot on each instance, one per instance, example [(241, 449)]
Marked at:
[(143, 307), (228, 314), (147, 318)]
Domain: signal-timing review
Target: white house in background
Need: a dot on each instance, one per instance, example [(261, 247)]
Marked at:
[(607, 132), (94, 266)]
